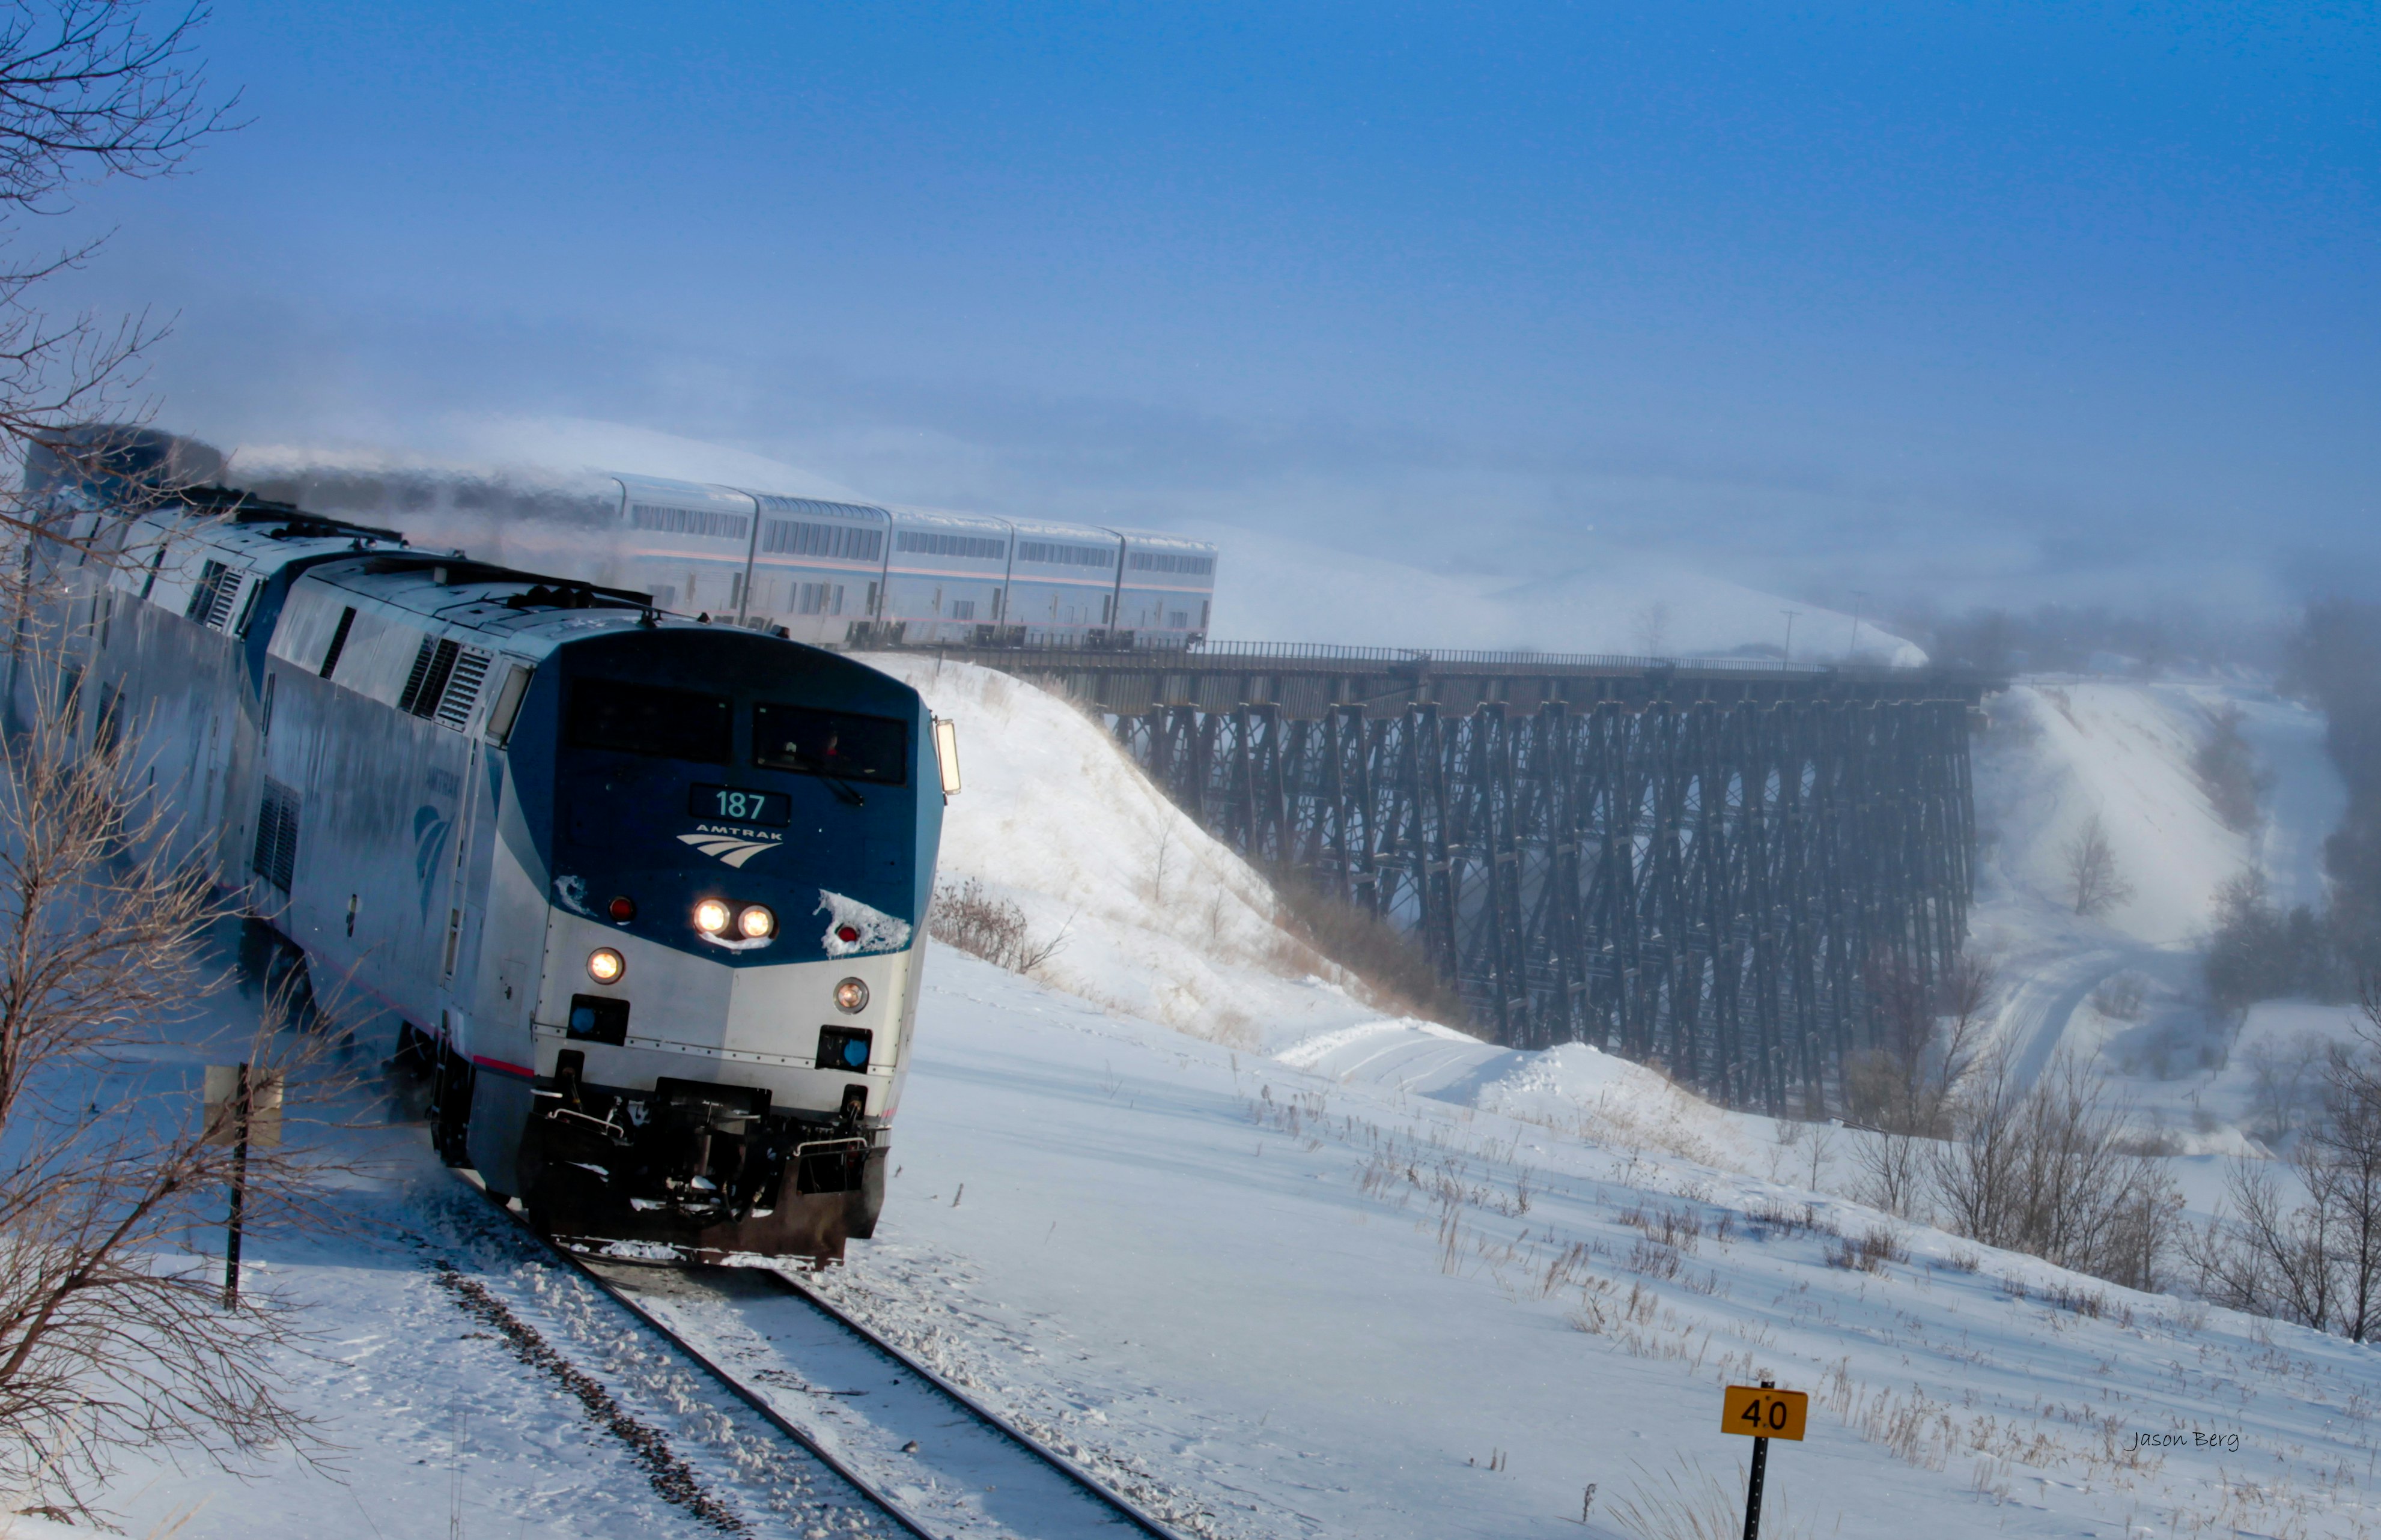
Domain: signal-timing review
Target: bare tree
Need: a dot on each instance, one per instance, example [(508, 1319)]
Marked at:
[(2048, 1170), (111, 1333), (1650, 628), (2227, 768), (2091, 866), (2318, 1264), (1892, 1174), (89, 90), (1926, 1033), (2258, 1256)]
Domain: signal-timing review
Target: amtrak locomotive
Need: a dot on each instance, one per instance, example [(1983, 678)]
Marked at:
[(646, 895)]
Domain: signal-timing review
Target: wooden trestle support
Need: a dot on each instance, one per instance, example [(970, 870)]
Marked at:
[(1706, 885)]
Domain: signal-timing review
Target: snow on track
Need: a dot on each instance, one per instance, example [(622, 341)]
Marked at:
[(949, 1469)]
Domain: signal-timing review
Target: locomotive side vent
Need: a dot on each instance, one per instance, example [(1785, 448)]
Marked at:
[(209, 602), (471, 671), (276, 835), (219, 604), (432, 667)]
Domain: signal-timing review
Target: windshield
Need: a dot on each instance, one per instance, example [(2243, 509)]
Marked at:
[(644, 719), (836, 743)]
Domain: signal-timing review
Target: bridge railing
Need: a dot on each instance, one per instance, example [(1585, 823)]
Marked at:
[(1310, 656), (1516, 657)]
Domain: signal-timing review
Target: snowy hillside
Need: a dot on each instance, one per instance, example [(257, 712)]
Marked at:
[(1295, 1266), (1298, 1302), (2058, 755)]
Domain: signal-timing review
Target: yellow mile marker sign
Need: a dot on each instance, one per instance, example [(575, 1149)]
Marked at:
[(1765, 1411), (1762, 1413)]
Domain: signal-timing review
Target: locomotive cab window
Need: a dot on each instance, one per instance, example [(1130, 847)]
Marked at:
[(837, 744), (646, 719)]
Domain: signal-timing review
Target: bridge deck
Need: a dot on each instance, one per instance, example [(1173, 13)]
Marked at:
[(1304, 682)]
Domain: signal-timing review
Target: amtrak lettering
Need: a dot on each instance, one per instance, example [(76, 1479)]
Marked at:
[(731, 844)]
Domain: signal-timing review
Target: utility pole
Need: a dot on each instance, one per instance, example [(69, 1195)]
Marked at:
[(238, 1194), (1790, 616), (1859, 602)]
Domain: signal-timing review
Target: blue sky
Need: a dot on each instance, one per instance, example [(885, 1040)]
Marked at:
[(1980, 301)]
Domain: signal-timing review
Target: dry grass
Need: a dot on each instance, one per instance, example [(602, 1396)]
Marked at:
[(1870, 1251), (1691, 1502), (1389, 970), (993, 928)]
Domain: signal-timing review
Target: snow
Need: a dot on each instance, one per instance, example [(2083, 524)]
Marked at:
[(1274, 588), (1321, 1304), (871, 929), (1295, 1264), (1152, 917), (2059, 752)]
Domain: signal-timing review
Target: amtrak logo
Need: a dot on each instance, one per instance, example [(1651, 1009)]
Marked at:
[(430, 832), (733, 847)]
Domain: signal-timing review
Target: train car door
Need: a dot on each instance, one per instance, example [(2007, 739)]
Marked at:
[(459, 949)]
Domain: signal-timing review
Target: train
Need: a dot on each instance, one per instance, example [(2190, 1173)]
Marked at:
[(643, 896), (862, 574)]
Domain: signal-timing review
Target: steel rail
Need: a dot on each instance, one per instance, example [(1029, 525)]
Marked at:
[(728, 1382), (1143, 1520), (1124, 1507)]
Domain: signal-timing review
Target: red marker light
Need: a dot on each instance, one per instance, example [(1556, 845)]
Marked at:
[(846, 934), (623, 909)]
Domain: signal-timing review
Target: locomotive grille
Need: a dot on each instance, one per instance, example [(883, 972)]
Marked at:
[(276, 835), (427, 682), (212, 601), (218, 616), (463, 686)]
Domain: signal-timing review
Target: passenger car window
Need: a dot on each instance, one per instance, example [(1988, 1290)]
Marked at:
[(849, 747)]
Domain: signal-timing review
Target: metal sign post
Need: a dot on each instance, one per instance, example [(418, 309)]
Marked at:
[(239, 1110), (1762, 1414)]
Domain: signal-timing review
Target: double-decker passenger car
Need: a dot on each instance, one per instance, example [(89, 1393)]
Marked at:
[(645, 894), (856, 572)]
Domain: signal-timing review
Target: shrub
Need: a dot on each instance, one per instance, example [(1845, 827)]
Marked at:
[(2045, 1171), (2120, 999), (2227, 769), (993, 928), (1875, 1247), (1394, 972)]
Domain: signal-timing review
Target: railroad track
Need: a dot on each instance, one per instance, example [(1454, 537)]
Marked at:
[(938, 1462)]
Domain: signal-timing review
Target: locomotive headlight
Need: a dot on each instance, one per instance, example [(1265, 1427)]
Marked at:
[(851, 997), (756, 922), (606, 967), (711, 917)]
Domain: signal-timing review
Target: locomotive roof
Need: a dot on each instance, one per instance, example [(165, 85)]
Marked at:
[(254, 533), (527, 613)]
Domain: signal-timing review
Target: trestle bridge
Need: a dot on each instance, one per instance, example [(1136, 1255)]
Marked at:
[(1703, 863)]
